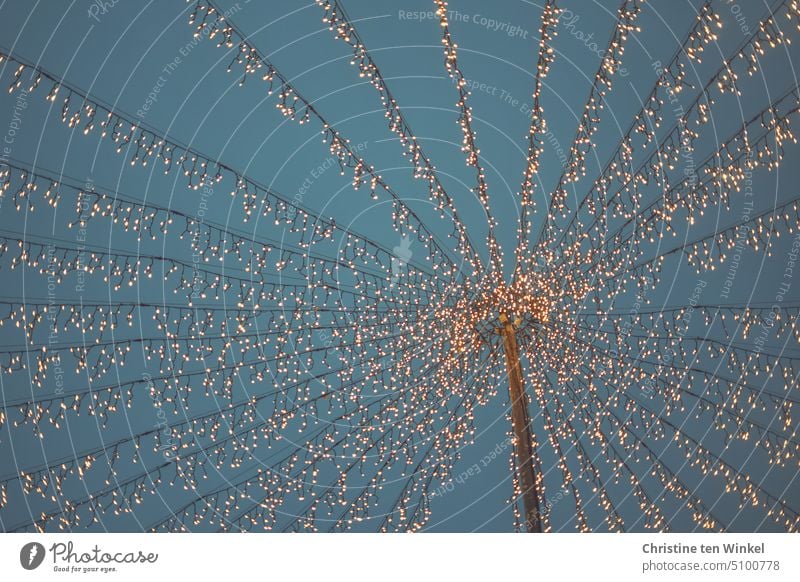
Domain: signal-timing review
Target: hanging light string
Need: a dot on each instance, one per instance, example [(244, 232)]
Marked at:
[(537, 380), (758, 397), (652, 515), (767, 36), (34, 253), (102, 317), (335, 16), (148, 146), (617, 391), (704, 253), (187, 464), (528, 278), (672, 78), (538, 128), (54, 473), (468, 143), (627, 15), (594, 418), (608, 257), (206, 16), (589, 472), (689, 355), (669, 480), (234, 492), (152, 221), (446, 459), (675, 391), (252, 517), (727, 168)]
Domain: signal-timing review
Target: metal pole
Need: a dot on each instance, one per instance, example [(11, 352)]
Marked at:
[(521, 424)]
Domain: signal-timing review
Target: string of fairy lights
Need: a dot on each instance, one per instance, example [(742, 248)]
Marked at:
[(306, 379)]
